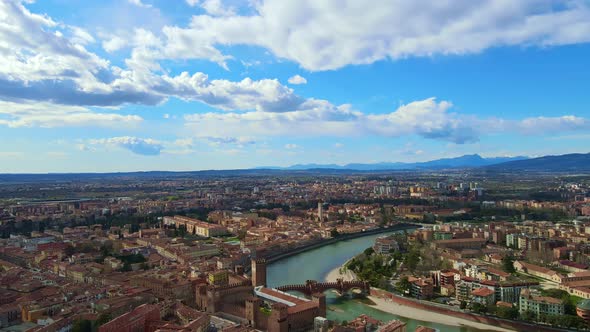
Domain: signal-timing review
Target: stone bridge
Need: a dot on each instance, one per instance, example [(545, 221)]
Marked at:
[(312, 286)]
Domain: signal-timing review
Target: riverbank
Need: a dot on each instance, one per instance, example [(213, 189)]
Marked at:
[(421, 314), (341, 272), (390, 302), (298, 250), (317, 263)]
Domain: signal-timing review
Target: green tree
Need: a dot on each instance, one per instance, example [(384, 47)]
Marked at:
[(403, 285), (334, 232), (566, 298), (412, 259), (478, 308), (369, 251), (528, 315), (508, 264), (507, 313), (82, 325)]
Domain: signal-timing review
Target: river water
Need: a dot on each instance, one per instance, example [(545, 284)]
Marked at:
[(317, 263)]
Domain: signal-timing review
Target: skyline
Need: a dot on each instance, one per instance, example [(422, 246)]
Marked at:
[(194, 85)]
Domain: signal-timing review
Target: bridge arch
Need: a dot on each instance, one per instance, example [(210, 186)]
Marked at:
[(312, 286)]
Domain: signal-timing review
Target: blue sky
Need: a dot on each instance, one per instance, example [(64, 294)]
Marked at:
[(127, 85)]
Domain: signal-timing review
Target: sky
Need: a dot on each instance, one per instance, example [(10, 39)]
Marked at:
[(137, 85)]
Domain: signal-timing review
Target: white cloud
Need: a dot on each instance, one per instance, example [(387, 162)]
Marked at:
[(141, 146), (213, 7), (297, 79), (81, 36), (48, 115), (240, 142), (547, 124), (338, 145), (56, 78), (426, 118), (44, 67), (139, 3), (291, 146), (217, 8), (33, 51), (325, 35), (113, 44), (321, 118), (263, 95)]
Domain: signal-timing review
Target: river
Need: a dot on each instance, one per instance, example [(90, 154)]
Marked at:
[(317, 263)]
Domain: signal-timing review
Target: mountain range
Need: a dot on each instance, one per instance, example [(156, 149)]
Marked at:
[(466, 161), (567, 163), (573, 162)]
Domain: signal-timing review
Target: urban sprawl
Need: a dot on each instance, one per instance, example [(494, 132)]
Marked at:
[(189, 252)]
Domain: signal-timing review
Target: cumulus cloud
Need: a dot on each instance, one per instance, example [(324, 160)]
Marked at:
[(48, 115), (63, 83), (542, 124), (237, 141), (139, 3), (81, 36), (34, 49), (262, 95), (325, 35), (141, 146), (217, 8), (114, 43), (43, 66), (427, 118), (297, 79), (213, 7)]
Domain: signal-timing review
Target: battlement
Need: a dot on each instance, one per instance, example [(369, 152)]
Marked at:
[(312, 286)]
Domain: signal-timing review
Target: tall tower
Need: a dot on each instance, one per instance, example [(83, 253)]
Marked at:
[(278, 320), (320, 299), (259, 272), (321, 210), (253, 311)]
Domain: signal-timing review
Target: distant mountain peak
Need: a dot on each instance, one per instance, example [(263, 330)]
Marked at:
[(464, 161), (573, 162)]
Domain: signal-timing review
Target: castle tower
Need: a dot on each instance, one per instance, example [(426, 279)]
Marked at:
[(212, 300), (253, 310), (320, 300), (321, 210), (278, 320), (259, 272), (201, 299)]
